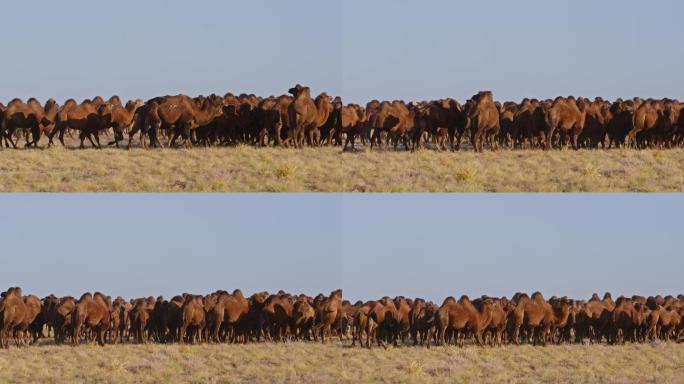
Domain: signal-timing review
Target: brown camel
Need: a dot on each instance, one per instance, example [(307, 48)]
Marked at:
[(13, 313), (303, 115), (91, 312), (193, 319), (60, 318), (535, 315), (459, 316), (626, 319), (30, 116), (229, 311), (328, 314), (176, 115), (349, 121), (566, 116), (119, 118), (277, 313), (382, 322), (139, 317), (119, 319), (663, 322), (595, 125), (81, 117), (598, 313), (303, 316), (422, 317), (483, 119), (323, 109)]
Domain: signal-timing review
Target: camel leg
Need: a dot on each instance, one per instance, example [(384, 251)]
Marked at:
[(516, 335), (3, 132), (61, 137), (50, 137), (35, 136), (548, 135), (477, 142), (302, 138), (575, 139), (172, 140), (346, 143), (441, 336), (451, 141), (181, 334), (101, 335), (188, 139), (473, 140), (130, 138), (217, 327), (97, 139), (82, 137), (369, 331), (14, 145), (322, 330), (299, 138), (430, 335), (143, 142), (17, 338), (355, 333), (478, 337), (311, 137), (153, 135), (26, 133), (76, 335), (4, 336), (90, 138), (372, 139), (292, 137)]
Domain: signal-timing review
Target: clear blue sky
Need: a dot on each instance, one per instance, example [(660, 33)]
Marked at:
[(357, 49), (370, 245)]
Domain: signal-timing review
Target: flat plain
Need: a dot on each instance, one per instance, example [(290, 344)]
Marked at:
[(338, 363), (250, 169)]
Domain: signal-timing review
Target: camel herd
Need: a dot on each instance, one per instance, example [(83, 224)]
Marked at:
[(222, 317), (298, 119)]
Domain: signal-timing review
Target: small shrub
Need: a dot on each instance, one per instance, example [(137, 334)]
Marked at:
[(466, 175), (415, 368), (285, 171), (116, 366), (590, 170), (265, 158), (659, 155)]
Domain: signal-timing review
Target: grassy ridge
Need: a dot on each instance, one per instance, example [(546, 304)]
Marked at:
[(315, 363), (247, 169)]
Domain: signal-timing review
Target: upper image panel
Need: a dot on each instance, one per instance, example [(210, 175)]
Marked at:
[(342, 96)]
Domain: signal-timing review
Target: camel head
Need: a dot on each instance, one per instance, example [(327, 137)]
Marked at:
[(300, 90)]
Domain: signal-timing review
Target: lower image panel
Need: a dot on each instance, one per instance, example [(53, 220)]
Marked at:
[(316, 288)]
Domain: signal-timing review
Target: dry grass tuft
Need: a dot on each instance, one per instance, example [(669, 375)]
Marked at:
[(466, 175), (249, 169), (285, 172), (315, 363), (591, 170)]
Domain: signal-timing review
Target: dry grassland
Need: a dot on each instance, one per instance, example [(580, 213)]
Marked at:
[(248, 169), (315, 363)]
